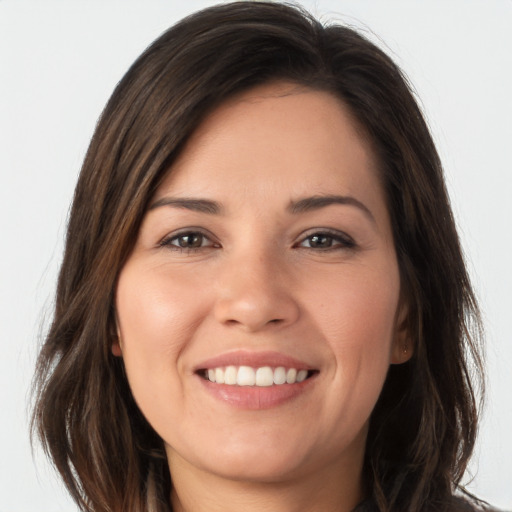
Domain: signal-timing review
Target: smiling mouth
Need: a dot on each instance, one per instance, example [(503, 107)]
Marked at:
[(264, 376)]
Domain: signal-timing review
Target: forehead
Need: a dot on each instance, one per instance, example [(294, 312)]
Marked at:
[(276, 137)]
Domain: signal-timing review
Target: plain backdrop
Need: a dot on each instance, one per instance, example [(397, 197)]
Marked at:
[(59, 62)]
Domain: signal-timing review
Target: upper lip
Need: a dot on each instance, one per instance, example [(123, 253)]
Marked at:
[(253, 359)]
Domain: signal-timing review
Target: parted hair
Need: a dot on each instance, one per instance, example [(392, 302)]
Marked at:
[(423, 428)]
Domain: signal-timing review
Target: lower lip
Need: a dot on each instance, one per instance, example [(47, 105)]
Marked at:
[(254, 397)]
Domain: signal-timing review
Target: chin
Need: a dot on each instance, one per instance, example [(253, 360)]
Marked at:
[(261, 458), (263, 468)]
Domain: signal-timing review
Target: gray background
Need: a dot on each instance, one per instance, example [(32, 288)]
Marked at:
[(59, 62)]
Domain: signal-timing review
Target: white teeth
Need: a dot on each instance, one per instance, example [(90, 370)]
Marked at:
[(291, 375), (279, 375), (301, 375), (219, 375), (262, 377), (246, 376), (230, 375)]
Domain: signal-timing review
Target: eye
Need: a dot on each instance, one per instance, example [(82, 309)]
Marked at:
[(188, 241), (327, 240)]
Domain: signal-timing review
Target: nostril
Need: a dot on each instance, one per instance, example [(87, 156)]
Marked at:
[(233, 321)]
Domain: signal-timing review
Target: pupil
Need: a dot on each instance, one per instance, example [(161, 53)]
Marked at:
[(320, 241), (191, 240)]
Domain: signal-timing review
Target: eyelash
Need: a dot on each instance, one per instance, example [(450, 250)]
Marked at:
[(337, 239), (167, 242)]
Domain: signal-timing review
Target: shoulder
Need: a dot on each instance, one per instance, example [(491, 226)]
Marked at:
[(459, 504), (463, 504)]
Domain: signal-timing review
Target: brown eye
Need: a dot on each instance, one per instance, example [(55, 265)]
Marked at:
[(327, 240), (189, 240), (320, 241)]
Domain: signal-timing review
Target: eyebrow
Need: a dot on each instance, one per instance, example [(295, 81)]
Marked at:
[(196, 205), (317, 202), (300, 206)]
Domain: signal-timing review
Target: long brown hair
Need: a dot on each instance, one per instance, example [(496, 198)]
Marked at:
[(423, 428)]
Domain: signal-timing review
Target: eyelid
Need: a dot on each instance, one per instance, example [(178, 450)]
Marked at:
[(345, 240), (342, 239), (167, 239)]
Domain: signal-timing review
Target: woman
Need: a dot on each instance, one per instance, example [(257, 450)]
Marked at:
[(263, 297)]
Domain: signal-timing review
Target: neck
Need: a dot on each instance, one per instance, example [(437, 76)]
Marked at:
[(331, 490)]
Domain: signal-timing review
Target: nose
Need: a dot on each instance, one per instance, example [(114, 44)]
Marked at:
[(254, 293)]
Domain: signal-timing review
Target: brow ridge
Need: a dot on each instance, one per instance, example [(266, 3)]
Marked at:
[(317, 202), (196, 205), (295, 207)]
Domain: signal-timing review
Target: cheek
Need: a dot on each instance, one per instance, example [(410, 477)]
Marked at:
[(155, 314), (156, 318), (357, 309), (357, 316)]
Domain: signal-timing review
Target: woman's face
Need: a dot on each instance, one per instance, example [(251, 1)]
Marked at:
[(266, 257)]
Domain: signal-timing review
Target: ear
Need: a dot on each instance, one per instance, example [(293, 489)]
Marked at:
[(116, 347), (403, 348)]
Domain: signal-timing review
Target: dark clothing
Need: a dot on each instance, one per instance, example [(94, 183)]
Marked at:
[(459, 505)]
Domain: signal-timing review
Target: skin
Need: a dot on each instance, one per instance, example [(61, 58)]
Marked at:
[(257, 282)]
